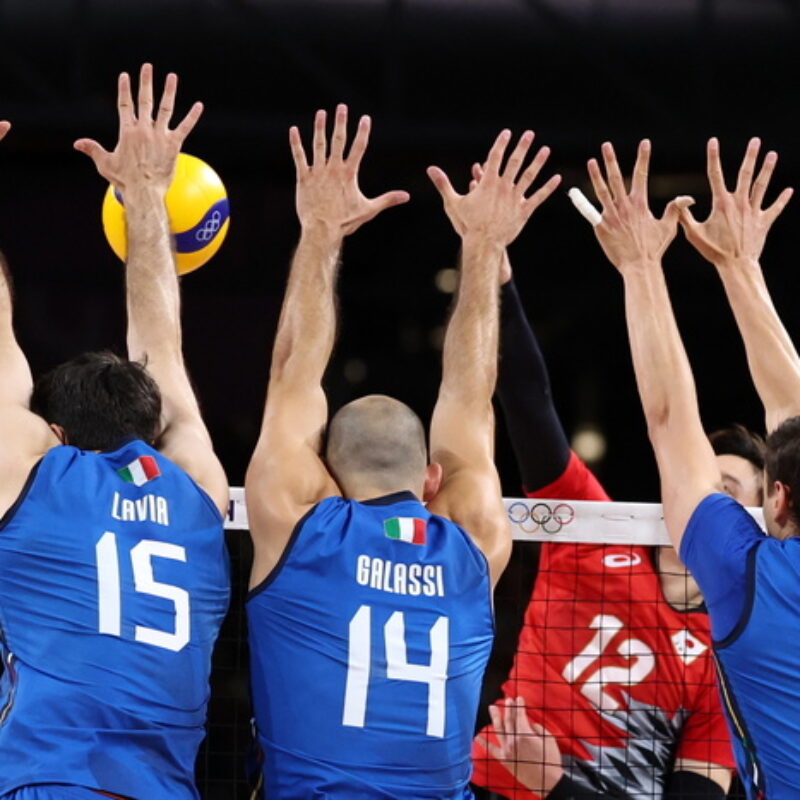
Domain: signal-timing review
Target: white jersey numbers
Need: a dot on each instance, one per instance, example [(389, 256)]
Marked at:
[(640, 658), (359, 667), (109, 609)]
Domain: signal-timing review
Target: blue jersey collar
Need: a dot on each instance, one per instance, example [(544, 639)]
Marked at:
[(390, 499)]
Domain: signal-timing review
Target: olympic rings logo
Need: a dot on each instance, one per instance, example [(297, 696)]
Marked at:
[(541, 516), (209, 230)]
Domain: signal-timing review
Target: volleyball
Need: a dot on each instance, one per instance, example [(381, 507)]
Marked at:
[(198, 211)]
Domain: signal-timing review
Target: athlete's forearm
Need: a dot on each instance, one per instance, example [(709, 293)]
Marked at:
[(307, 325), (663, 374), (523, 386), (469, 357), (153, 295), (15, 374), (771, 355)]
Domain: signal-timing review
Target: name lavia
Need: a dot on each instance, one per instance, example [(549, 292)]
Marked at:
[(149, 508)]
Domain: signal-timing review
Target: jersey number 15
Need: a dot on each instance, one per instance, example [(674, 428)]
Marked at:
[(109, 593)]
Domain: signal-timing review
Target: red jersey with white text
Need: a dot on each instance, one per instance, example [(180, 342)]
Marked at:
[(622, 680)]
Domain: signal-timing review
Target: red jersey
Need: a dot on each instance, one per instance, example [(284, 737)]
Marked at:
[(622, 680)]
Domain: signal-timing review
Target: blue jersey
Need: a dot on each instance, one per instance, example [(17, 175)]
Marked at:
[(368, 645), (114, 580), (751, 587)]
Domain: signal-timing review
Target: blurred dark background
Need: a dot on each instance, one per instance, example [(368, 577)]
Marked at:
[(440, 78)]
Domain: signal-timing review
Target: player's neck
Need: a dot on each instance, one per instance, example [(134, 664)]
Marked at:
[(362, 492), (677, 585)]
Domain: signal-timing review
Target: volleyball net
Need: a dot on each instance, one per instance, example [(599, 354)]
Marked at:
[(600, 632)]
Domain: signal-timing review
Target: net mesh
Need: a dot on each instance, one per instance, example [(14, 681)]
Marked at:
[(599, 633)]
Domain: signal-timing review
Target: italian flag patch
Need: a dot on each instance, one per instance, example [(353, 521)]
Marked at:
[(405, 529), (141, 471)]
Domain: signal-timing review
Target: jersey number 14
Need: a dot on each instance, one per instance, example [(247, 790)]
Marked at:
[(359, 666)]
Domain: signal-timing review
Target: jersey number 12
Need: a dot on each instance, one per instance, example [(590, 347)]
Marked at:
[(109, 593)]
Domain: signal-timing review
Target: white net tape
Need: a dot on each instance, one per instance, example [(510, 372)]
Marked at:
[(535, 520)]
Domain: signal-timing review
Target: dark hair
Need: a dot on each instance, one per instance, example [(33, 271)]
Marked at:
[(98, 399), (783, 461), (739, 441)]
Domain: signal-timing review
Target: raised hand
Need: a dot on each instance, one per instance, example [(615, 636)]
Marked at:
[(529, 752), (327, 189), (4, 129), (147, 149), (496, 203), (737, 226), (628, 232)]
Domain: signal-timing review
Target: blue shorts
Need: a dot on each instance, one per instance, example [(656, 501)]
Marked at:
[(52, 791)]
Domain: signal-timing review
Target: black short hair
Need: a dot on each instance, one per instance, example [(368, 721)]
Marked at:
[(783, 461), (739, 441), (99, 399)]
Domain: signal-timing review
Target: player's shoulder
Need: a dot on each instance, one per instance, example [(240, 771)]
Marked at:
[(576, 482)]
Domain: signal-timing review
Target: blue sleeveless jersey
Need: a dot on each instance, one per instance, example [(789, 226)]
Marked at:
[(751, 584), (114, 580), (368, 645)]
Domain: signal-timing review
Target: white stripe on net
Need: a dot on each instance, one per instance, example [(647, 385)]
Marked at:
[(535, 520)]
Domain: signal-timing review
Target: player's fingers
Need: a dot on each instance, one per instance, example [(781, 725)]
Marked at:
[(599, 185), (93, 149), (533, 169), (145, 103), (442, 183), (774, 211), (186, 125), (542, 193), (714, 168), (495, 157), (167, 104), (641, 171), (360, 142), (477, 172), (298, 153), (125, 100), (763, 179), (517, 156), (320, 144), (339, 132), (746, 170), (492, 749), (5, 127), (687, 220), (521, 723), (672, 213), (613, 172), (389, 199), (584, 207)]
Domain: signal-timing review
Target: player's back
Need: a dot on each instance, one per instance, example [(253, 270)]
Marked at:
[(759, 672), (114, 581), (368, 645)]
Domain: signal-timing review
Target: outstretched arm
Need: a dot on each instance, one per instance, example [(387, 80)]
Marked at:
[(489, 217), (16, 383), (635, 241), (141, 167), (287, 475), (23, 435), (732, 238)]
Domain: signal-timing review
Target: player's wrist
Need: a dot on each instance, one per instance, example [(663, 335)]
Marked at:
[(321, 232), (144, 193)]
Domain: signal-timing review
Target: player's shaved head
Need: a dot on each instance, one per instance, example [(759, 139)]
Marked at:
[(376, 441)]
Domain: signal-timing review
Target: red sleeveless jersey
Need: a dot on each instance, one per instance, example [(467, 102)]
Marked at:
[(622, 680)]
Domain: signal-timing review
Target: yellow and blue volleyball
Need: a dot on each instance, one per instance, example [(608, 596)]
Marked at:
[(198, 211)]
